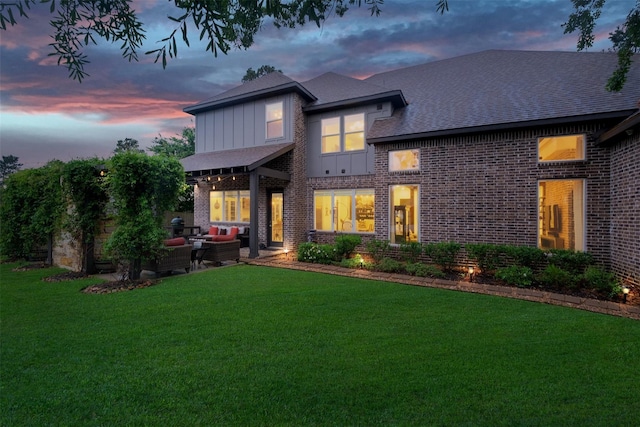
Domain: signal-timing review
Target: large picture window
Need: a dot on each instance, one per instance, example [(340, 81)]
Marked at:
[(343, 133), (274, 115), (229, 206), (561, 148), (344, 210), (404, 208), (561, 222)]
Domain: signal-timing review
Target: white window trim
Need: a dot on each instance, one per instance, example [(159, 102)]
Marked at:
[(390, 219), (354, 193), (343, 134), (238, 208), (546, 162), (584, 209), (267, 121)]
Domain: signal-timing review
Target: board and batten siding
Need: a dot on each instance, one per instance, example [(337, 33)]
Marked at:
[(344, 163), (240, 126)]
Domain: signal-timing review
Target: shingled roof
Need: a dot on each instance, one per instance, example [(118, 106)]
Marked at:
[(498, 88), (271, 84), (337, 91), (480, 91)]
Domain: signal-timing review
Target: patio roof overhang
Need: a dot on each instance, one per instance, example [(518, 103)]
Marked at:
[(251, 161), (236, 161)]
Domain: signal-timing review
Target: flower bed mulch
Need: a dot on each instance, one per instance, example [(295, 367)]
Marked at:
[(118, 286)]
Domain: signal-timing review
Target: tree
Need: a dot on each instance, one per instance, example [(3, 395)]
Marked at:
[(84, 188), (140, 198), (127, 144), (625, 38), (262, 71), (8, 165), (226, 25), (31, 210), (178, 147)]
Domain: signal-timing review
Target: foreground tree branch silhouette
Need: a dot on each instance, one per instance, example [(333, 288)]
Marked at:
[(235, 23), (225, 25)]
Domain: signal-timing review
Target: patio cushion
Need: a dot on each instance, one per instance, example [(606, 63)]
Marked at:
[(177, 241), (213, 230)]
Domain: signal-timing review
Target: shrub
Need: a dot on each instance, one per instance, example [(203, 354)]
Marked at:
[(486, 255), (423, 270), (411, 251), (345, 245), (316, 253), (355, 262), (443, 253), (602, 281), (517, 275), (574, 262), (526, 256), (389, 265), (555, 277), (378, 249)]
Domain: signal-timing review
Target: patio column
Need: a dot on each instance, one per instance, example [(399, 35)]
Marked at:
[(254, 184)]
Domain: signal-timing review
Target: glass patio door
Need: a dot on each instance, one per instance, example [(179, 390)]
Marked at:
[(276, 228)]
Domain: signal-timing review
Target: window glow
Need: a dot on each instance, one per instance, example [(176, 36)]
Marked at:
[(274, 121), (344, 210), (561, 220), (229, 206), (404, 208), (404, 160), (561, 148), (335, 139)]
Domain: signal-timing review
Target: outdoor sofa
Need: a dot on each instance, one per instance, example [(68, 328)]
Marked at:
[(177, 257)]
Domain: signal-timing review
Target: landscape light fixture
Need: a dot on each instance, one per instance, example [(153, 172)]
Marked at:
[(471, 271), (625, 292), (286, 253)]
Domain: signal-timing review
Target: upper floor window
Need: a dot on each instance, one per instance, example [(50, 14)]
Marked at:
[(561, 148), (404, 160), (343, 133), (274, 115)]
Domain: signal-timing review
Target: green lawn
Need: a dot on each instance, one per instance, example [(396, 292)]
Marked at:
[(249, 345)]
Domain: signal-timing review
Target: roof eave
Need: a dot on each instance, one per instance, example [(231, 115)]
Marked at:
[(396, 97), (251, 96), (626, 125), (499, 127)]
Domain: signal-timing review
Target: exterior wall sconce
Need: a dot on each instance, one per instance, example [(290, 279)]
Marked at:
[(219, 179), (471, 272), (625, 292), (233, 177)]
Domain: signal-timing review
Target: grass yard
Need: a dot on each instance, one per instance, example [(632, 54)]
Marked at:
[(248, 345)]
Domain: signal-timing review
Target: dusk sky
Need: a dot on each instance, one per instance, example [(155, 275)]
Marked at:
[(44, 115)]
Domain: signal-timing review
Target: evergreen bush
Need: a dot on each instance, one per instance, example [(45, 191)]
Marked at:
[(443, 254), (516, 275)]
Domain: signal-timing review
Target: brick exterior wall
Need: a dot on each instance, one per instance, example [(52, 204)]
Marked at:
[(625, 209), (295, 199), (484, 187)]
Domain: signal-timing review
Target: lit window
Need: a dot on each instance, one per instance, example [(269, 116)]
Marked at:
[(354, 132), (404, 160), (404, 208), (274, 114), (561, 148), (331, 135), (561, 214), (229, 206), (344, 210), (335, 139)]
